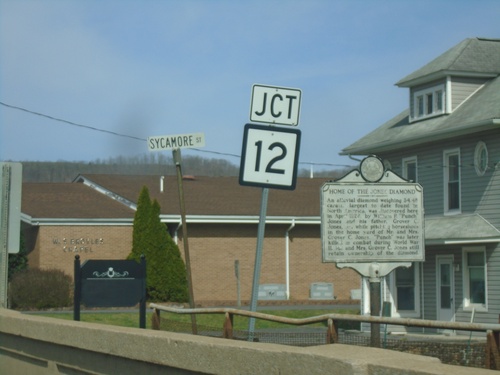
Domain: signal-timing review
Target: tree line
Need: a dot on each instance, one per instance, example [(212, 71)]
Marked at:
[(146, 164)]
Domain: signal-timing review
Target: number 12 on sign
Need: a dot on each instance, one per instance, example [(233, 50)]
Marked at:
[(269, 157)]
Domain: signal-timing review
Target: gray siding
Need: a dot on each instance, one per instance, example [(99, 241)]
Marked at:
[(479, 194), (462, 88)]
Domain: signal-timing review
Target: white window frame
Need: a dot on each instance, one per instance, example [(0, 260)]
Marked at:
[(481, 158), (468, 306), (446, 175), (393, 294), (405, 162), (421, 97)]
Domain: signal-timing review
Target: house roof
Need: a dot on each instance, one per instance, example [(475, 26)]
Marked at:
[(214, 196), (479, 113), (459, 229), (69, 202), (473, 56)]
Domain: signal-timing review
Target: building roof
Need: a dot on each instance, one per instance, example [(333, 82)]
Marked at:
[(214, 196), (459, 229), (479, 113), (69, 202), (473, 56)]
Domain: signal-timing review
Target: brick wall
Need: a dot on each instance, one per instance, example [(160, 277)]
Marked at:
[(56, 246), (215, 248), (213, 251)]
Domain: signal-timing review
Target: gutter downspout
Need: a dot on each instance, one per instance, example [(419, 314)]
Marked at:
[(287, 258), (176, 235)]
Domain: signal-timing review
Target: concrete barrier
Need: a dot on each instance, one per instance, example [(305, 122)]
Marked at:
[(40, 345)]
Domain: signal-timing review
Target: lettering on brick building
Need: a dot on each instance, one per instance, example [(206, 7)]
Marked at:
[(77, 245)]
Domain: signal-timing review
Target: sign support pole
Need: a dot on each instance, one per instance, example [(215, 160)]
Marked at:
[(258, 261), (177, 160), (4, 232), (375, 304)]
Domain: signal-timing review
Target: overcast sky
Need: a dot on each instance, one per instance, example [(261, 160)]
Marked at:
[(151, 67)]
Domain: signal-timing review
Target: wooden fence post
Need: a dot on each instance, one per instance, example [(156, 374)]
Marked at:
[(155, 320), (228, 326)]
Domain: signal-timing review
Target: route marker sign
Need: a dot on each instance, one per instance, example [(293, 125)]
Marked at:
[(269, 157), (275, 105)]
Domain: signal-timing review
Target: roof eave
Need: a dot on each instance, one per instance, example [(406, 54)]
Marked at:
[(443, 74), (462, 241), (392, 145), (44, 221), (242, 219)]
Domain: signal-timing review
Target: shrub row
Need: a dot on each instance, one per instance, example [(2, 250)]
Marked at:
[(40, 289)]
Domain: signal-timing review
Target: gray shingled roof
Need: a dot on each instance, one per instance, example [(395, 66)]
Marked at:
[(473, 55), (481, 112), (459, 229)]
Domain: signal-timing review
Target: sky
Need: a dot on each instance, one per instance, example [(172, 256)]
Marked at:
[(92, 80)]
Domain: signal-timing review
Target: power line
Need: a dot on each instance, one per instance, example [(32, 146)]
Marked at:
[(131, 136), (71, 123)]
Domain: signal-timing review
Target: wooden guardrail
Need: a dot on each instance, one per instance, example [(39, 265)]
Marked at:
[(492, 330)]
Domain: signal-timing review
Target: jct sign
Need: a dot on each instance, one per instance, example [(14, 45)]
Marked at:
[(275, 105)]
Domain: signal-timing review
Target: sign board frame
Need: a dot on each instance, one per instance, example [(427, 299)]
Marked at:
[(372, 222), (275, 105), (110, 283), (270, 157)]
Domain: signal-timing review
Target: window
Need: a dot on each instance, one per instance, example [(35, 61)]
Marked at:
[(474, 277), (410, 169), (452, 181), (481, 158), (420, 106), (428, 102), (405, 288), (404, 285)]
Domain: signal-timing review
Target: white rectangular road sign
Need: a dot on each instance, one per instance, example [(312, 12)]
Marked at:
[(275, 105), (172, 142), (269, 157), (372, 222)]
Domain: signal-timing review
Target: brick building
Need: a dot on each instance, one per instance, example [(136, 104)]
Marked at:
[(93, 217)]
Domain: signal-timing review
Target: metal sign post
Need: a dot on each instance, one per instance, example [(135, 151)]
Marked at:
[(10, 220), (269, 158), (372, 221), (258, 260)]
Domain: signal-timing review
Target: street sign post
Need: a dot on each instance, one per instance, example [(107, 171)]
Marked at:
[(275, 105), (175, 143), (269, 157)]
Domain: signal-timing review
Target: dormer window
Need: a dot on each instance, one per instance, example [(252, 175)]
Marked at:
[(428, 102)]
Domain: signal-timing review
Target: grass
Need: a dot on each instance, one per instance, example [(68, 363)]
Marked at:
[(129, 319)]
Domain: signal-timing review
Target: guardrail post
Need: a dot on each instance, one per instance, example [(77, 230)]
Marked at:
[(332, 335), (228, 326), (155, 320)]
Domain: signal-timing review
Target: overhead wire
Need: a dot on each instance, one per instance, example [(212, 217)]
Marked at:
[(88, 127), (144, 139)]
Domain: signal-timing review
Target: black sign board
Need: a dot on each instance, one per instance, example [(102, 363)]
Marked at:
[(110, 283)]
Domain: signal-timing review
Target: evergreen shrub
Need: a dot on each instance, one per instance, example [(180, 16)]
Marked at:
[(40, 289), (166, 278)]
